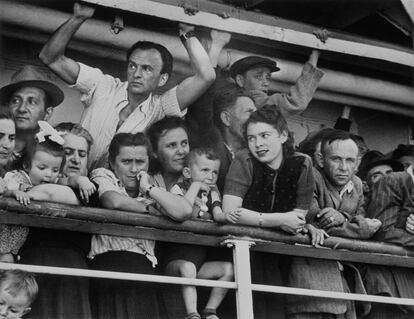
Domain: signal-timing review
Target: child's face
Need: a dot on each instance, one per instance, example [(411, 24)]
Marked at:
[(265, 143), (204, 170), (13, 304), (45, 168)]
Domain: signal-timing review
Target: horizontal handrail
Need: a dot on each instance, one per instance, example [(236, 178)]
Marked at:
[(205, 283), (112, 222)]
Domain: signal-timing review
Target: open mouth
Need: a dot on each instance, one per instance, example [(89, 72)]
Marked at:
[(261, 153)]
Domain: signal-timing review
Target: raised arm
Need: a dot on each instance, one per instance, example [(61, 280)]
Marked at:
[(53, 52), (192, 87)]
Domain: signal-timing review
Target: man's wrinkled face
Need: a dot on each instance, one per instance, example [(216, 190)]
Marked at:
[(340, 161), (28, 107), (376, 173)]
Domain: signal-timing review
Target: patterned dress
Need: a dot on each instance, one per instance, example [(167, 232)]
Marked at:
[(12, 237)]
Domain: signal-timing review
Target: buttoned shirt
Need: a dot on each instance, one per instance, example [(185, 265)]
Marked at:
[(104, 97), (100, 244)]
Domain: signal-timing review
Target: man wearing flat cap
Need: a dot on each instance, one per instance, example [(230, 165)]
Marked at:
[(31, 97), (253, 73), (374, 166), (404, 154)]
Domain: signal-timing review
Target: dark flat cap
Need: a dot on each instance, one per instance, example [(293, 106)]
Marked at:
[(376, 158), (403, 150), (32, 76), (250, 62)]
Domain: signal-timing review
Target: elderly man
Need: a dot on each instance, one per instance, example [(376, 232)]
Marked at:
[(337, 207), (31, 97), (374, 166), (232, 107), (113, 106)]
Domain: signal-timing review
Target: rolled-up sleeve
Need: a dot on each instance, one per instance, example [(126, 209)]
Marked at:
[(240, 175), (105, 179), (169, 103), (88, 81)]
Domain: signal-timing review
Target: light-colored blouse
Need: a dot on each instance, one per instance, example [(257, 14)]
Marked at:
[(100, 244)]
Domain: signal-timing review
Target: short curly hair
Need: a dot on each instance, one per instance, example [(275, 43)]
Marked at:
[(270, 114)]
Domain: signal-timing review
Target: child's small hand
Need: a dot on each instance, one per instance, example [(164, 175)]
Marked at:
[(22, 197), (317, 235), (233, 217), (204, 187), (86, 188)]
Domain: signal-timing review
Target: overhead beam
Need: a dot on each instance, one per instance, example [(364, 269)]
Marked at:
[(271, 32), (409, 8)]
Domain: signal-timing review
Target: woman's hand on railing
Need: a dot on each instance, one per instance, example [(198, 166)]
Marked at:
[(292, 222), (233, 217)]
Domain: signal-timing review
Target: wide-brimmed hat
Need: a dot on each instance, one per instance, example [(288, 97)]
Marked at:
[(376, 158), (250, 62), (32, 76)]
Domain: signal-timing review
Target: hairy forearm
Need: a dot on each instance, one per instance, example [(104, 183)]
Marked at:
[(55, 47)]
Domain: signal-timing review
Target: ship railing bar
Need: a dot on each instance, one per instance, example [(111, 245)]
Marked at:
[(205, 283)]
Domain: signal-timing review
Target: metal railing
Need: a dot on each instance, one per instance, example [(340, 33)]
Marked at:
[(241, 238)]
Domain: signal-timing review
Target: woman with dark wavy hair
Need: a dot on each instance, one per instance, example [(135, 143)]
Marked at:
[(269, 185)]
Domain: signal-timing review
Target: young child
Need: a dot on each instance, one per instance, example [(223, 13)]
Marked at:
[(199, 188), (18, 290), (41, 163)]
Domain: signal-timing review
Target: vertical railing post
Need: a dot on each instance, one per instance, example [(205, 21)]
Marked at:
[(241, 258)]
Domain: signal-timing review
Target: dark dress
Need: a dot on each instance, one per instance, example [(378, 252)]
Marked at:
[(123, 298), (266, 190), (60, 297)]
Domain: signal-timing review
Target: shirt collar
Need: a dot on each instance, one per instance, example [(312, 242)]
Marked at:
[(348, 188), (410, 171), (230, 150)]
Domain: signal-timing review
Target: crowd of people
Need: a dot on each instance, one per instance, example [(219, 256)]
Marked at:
[(210, 148)]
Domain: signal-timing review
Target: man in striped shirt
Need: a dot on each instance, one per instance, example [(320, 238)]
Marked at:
[(393, 203), (113, 106)]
